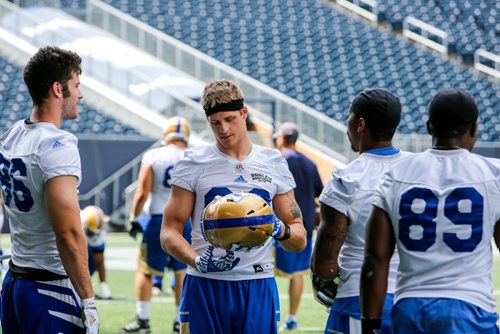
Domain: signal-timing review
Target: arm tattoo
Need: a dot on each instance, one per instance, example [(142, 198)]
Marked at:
[(294, 207)]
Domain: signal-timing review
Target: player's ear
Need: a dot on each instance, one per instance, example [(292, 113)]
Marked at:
[(473, 130), (428, 126), (361, 124), (56, 88)]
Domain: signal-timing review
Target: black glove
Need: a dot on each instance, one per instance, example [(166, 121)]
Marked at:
[(371, 325), (325, 290), (134, 228)]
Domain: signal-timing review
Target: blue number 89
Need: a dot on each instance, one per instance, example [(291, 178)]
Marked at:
[(419, 207)]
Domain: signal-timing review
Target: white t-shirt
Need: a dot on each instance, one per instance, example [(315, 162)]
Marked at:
[(30, 155), (350, 191), (162, 161), (443, 206), (208, 172)]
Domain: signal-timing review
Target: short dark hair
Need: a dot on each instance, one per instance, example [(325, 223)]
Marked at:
[(50, 64), (452, 112), (381, 110)]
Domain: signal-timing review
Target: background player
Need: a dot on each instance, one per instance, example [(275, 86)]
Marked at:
[(309, 187), (440, 207), (94, 223), (153, 190), (40, 173), (217, 276), (346, 202)]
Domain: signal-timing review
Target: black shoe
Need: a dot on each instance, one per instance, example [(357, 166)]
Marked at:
[(177, 327), (137, 326)]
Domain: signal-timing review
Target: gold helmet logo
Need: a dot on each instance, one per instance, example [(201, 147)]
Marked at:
[(240, 218)]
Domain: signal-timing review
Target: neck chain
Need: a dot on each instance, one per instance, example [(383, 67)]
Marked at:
[(446, 148)]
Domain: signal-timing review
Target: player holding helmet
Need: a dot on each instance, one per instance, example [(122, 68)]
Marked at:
[(215, 276), (440, 208), (153, 190), (94, 223)]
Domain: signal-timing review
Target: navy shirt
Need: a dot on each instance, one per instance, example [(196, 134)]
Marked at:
[(309, 185)]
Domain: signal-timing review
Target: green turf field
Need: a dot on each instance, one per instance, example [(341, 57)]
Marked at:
[(119, 311)]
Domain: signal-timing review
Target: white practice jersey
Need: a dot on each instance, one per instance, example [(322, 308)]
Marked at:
[(30, 155), (97, 239), (162, 161), (443, 206), (350, 191), (208, 172)]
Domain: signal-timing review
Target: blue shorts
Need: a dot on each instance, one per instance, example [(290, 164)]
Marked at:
[(216, 306), (441, 316), (90, 250), (153, 259), (345, 315), (30, 307), (291, 263)]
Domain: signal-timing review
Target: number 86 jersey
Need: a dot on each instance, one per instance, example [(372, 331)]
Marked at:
[(30, 155), (443, 205)]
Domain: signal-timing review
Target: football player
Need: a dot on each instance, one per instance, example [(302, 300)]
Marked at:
[(345, 203), (94, 223), (47, 288), (440, 208), (153, 190), (216, 277)]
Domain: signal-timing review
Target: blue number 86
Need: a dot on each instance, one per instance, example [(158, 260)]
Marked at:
[(425, 214)]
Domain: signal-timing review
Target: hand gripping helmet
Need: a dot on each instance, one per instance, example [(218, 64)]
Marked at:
[(240, 218), (93, 218), (177, 128)]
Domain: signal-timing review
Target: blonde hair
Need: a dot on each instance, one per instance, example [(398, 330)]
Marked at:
[(219, 92)]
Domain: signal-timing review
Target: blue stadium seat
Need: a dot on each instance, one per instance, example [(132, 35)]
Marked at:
[(16, 104), (305, 48)]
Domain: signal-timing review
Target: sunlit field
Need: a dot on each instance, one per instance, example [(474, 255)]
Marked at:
[(121, 256)]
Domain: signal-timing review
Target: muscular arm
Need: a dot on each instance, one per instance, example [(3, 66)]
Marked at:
[(379, 248), (144, 186), (287, 210), (331, 235), (175, 216), (61, 201)]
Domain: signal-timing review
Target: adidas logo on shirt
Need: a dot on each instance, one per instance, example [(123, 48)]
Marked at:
[(240, 179), (57, 144)]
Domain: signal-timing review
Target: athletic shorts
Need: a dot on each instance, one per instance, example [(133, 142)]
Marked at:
[(153, 259), (441, 316), (345, 315), (288, 264), (217, 306), (92, 264), (32, 307)]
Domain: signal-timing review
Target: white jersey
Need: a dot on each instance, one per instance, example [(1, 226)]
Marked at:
[(443, 206), (98, 239), (162, 161), (30, 155), (350, 191), (208, 172)]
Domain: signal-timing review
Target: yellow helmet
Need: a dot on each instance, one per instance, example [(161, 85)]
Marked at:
[(177, 129), (93, 218), (239, 218)]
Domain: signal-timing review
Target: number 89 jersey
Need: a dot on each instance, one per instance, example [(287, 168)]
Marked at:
[(443, 206), (30, 155)]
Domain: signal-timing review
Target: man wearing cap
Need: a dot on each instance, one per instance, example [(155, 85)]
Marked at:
[(440, 208), (153, 190), (229, 290), (345, 205), (309, 187)]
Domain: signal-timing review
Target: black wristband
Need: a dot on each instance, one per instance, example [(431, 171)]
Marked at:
[(371, 325), (285, 236)]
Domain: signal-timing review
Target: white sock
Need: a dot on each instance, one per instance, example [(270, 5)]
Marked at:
[(104, 291), (143, 309), (178, 314), (292, 317)]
